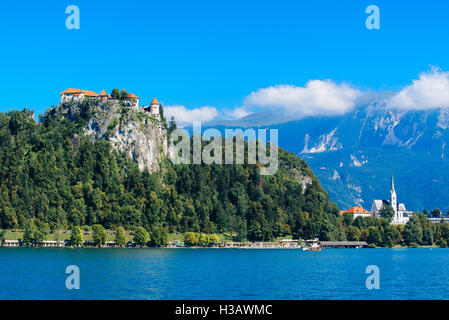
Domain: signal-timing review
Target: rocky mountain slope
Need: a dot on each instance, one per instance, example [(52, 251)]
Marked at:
[(129, 129), (355, 154)]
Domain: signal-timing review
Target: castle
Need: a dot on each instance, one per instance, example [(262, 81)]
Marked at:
[(72, 94), (401, 214)]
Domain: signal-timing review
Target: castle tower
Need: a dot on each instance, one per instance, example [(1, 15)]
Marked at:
[(155, 107), (394, 199)]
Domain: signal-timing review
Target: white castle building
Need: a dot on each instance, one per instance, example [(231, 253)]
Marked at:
[(401, 214), (153, 109), (72, 94)]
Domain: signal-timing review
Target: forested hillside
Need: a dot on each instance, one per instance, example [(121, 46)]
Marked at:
[(51, 172)]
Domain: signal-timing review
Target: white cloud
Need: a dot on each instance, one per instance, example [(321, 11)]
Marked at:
[(184, 116), (237, 112), (430, 91), (316, 98)]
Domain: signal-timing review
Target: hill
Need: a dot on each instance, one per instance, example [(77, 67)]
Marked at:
[(101, 163)]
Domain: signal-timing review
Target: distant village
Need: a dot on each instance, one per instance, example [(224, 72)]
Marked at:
[(401, 214), (71, 94)]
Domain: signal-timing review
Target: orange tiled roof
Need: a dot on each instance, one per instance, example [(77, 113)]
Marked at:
[(354, 210), (132, 96), (90, 93), (154, 101), (103, 93), (71, 90)]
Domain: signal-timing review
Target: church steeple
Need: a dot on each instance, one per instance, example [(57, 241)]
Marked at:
[(393, 198)]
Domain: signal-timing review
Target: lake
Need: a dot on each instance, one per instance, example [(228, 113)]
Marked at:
[(39, 273)]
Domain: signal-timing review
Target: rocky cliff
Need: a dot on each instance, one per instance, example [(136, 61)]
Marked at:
[(129, 129)]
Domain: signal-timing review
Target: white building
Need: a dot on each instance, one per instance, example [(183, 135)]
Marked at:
[(72, 94), (357, 212), (153, 109), (401, 214)]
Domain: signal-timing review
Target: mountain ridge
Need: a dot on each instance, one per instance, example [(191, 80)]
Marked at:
[(355, 154)]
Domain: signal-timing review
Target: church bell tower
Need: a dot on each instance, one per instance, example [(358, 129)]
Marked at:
[(394, 200)]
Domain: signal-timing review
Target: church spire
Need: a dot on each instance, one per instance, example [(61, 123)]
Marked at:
[(392, 184)]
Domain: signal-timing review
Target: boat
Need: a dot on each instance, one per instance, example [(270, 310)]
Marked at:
[(311, 245)]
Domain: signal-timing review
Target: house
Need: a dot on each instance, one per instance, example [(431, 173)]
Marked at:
[(72, 95), (133, 99), (52, 243), (343, 244), (439, 220), (288, 243), (12, 243), (109, 244), (357, 212)]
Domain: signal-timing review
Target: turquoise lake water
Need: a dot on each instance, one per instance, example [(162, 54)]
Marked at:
[(39, 273)]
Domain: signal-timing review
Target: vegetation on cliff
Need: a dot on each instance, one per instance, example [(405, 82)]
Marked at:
[(51, 173)]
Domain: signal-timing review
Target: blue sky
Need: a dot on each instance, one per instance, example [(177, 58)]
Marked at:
[(213, 53)]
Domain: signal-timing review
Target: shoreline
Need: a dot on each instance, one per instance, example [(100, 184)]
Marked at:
[(214, 247)]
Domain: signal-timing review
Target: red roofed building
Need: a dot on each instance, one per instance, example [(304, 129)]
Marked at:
[(133, 99), (104, 95), (72, 94), (357, 212)]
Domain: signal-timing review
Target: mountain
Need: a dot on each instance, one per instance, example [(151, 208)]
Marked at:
[(93, 162), (355, 154)]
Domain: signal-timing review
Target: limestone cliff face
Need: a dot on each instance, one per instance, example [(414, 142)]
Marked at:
[(129, 129)]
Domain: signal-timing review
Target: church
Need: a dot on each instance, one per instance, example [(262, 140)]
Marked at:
[(401, 214)]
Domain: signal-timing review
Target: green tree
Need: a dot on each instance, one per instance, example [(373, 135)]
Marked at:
[(374, 236), (141, 236), (2, 236), (120, 238), (435, 213), (99, 235), (213, 239), (159, 237), (115, 94), (348, 218), (387, 212), (172, 124), (191, 239), (76, 237), (29, 232), (412, 233), (123, 94), (354, 233), (42, 232)]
